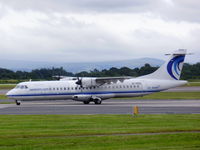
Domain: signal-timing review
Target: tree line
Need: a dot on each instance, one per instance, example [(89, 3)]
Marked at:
[(190, 71)]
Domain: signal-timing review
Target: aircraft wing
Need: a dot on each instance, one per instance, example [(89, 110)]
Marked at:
[(98, 81), (108, 80)]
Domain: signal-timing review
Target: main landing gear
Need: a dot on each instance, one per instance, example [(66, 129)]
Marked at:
[(97, 101), (17, 102), (86, 102)]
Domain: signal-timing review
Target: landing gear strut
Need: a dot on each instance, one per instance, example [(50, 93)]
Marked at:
[(17, 102), (97, 101)]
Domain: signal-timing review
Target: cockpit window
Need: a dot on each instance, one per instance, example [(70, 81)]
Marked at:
[(21, 87), (17, 87)]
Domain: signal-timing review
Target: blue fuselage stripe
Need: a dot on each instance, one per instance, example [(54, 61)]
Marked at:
[(86, 93)]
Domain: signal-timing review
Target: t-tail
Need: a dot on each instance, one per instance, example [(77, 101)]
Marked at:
[(171, 69)]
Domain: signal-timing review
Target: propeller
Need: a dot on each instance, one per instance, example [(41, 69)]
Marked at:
[(79, 82)]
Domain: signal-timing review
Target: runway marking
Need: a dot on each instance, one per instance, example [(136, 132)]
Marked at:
[(157, 103), (6, 105)]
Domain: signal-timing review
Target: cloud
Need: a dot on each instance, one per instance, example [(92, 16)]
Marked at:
[(94, 30), (82, 5), (179, 10)]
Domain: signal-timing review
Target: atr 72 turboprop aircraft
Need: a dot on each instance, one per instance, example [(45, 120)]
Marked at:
[(97, 89)]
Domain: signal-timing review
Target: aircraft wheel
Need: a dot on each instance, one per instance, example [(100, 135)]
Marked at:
[(97, 101), (86, 102), (17, 102)]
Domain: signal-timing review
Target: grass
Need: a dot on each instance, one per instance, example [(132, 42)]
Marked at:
[(194, 80), (171, 95), (4, 102), (193, 84), (10, 81), (141, 142), (66, 132), (7, 86), (2, 96)]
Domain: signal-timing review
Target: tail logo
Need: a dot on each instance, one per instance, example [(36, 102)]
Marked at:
[(174, 66)]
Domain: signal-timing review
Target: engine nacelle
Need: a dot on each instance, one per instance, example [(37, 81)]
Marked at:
[(88, 82), (81, 97)]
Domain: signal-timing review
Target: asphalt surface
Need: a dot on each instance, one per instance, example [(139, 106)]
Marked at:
[(3, 91), (112, 106)]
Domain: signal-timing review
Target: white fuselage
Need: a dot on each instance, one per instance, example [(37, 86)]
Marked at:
[(98, 89), (57, 90)]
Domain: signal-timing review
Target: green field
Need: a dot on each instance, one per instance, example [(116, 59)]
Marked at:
[(7, 86), (99, 132), (171, 95), (193, 84), (2, 96)]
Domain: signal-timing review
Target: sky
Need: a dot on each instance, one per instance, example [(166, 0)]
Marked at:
[(98, 30)]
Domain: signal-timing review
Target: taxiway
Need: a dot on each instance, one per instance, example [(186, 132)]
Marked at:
[(112, 106)]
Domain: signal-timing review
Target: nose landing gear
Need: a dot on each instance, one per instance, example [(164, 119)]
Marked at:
[(17, 102)]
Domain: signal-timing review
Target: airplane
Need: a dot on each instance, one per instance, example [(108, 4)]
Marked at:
[(97, 89)]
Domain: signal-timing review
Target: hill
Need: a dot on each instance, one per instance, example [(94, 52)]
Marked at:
[(79, 66)]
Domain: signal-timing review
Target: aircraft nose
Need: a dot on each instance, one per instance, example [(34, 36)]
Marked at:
[(9, 93)]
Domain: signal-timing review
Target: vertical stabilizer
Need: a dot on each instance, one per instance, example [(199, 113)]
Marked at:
[(171, 69)]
